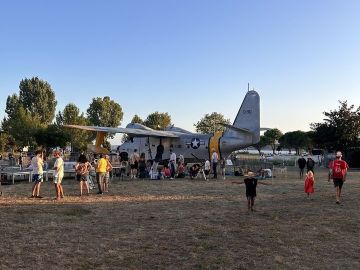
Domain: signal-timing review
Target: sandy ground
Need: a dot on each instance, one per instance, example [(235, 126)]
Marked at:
[(182, 224)]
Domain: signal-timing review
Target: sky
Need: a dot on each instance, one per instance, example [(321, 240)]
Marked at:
[(187, 57)]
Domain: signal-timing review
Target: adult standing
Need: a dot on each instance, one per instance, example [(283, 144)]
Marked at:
[(58, 175), (301, 163), (142, 166), (101, 166), (134, 164), (172, 162), (109, 168), (337, 171), (223, 167), (207, 167), (158, 157), (310, 164), (82, 169), (214, 161), (37, 164)]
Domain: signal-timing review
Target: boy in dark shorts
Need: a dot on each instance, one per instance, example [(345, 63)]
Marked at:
[(337, 171), (250, 185)]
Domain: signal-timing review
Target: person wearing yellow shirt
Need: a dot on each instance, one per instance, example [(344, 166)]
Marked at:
[(101, 166)]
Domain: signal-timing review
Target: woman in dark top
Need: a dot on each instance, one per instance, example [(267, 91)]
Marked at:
[(142, 166)]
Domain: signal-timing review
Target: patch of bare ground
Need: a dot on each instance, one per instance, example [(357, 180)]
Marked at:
[(182, 224)]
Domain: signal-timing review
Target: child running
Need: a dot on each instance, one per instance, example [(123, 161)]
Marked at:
[(309, 184), (250, 184)]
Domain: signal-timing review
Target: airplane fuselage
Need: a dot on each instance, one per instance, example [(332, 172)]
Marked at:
[(189, 145)]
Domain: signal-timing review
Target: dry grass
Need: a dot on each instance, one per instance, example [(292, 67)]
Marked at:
[(182, 225)]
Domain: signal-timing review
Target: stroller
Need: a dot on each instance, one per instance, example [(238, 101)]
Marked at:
[(196, 170), (90, 181)]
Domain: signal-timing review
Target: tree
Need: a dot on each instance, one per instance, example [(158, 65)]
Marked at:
[(5, 141), (52, 136), (38, 99), (295, 139), (273, 136), (79, 138), (104, 112), (341, 129), (158, 121), (22, 127), (264, 141), (137, 119), (33, 108), (211, 123)]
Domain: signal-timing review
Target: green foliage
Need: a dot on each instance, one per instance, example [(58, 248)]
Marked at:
[(264, 141), (105, 112), (158, 121), (295, 139), (137, 119), (79, 138), (5, 142), (211, 123), (106, 144), (22, 127), (52, 136), (32, 109), (273, 136), (38, 99), (341, 129)]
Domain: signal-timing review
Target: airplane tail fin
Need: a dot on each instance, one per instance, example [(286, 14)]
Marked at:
[(248, 118)]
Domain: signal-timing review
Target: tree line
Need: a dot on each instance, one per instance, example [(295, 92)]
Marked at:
[(340, 130), (31, 120)]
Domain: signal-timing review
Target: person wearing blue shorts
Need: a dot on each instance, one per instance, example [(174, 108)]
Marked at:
[(37, 164)]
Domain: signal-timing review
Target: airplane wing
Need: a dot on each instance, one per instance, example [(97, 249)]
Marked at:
[(132, 132)]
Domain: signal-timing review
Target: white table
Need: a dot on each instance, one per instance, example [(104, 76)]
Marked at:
[(12, 174)]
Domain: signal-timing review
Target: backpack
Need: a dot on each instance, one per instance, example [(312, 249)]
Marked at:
[(337, 171), (82, 168)]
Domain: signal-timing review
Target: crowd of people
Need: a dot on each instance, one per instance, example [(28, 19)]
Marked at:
[(175, 167), (337, 172), (139, 167)]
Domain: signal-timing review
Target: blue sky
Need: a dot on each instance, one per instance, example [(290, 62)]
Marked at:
[(187, 57)]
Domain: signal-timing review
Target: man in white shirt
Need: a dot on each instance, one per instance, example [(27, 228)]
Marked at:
[(214, 161), (37, 164), (58, 175), (172, 163)]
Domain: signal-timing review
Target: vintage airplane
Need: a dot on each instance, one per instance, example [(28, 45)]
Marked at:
[(156, 144)]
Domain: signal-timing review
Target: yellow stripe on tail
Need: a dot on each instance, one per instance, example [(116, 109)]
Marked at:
[(214, 143)]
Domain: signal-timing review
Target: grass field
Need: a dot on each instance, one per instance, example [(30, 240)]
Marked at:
[(182, 224)]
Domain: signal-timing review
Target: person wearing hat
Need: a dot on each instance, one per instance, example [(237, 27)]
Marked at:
[(58, 175), (250, 186), (337, 171)]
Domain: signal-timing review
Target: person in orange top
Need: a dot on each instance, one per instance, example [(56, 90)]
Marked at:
[(309, 184), (101, 166)]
